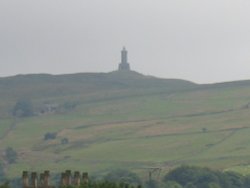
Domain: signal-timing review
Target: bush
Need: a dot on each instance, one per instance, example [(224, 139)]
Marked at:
[(23, 108), (122, 176), (196, 177), (2, 174), (173, 184), (10, 155), (65, 141), (5, 185), (69, 105), (151, 184), (50, 136)]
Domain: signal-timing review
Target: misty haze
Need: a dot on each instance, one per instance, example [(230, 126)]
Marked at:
[(124, 94)]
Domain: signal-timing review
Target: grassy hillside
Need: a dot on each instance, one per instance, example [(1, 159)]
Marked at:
[(126, 120), (82, 87)]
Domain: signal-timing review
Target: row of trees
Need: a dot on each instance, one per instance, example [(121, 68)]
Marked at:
[(92, 184), (181, 177), (197, 177), (185, 177)]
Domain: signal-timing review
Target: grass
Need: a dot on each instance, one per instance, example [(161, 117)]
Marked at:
[(5, 124), (130, 125)]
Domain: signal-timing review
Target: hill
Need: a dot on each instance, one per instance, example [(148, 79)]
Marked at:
[(88, 86), (53, 85), (124, 120)]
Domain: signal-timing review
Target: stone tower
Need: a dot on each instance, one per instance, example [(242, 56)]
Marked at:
[(124, 65)]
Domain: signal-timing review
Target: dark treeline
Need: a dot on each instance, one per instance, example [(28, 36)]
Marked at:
[(197, 177), (181, 177), (91, 184)]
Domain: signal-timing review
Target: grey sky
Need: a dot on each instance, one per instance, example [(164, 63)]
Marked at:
[(198, 40)]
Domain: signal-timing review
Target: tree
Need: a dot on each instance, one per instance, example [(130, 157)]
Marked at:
[(235, 180), (23, 108), (182, 175), (173, 184), (65, 141), (69, 105), (10, 155), (197, 177), (49, 136), (204, 130), (5, 185), (190, 185), (123, 176), (2, 174), (151, 184)]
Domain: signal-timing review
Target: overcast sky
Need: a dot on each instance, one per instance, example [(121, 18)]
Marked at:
[(198, 40)]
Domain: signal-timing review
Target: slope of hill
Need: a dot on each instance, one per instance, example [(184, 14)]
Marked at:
[(87, 86), (125, 120), (54, 85)]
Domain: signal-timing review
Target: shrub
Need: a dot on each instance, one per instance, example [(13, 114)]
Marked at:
[(50, 136), (10, 155), (23, 108), (122, 176), (65, 141)]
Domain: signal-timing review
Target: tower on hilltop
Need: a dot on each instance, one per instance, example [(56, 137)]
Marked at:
[(124, 65)]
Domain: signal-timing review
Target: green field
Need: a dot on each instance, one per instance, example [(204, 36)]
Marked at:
[(126, 121)]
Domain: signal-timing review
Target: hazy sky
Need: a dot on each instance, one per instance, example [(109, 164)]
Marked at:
[(199, 40)]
